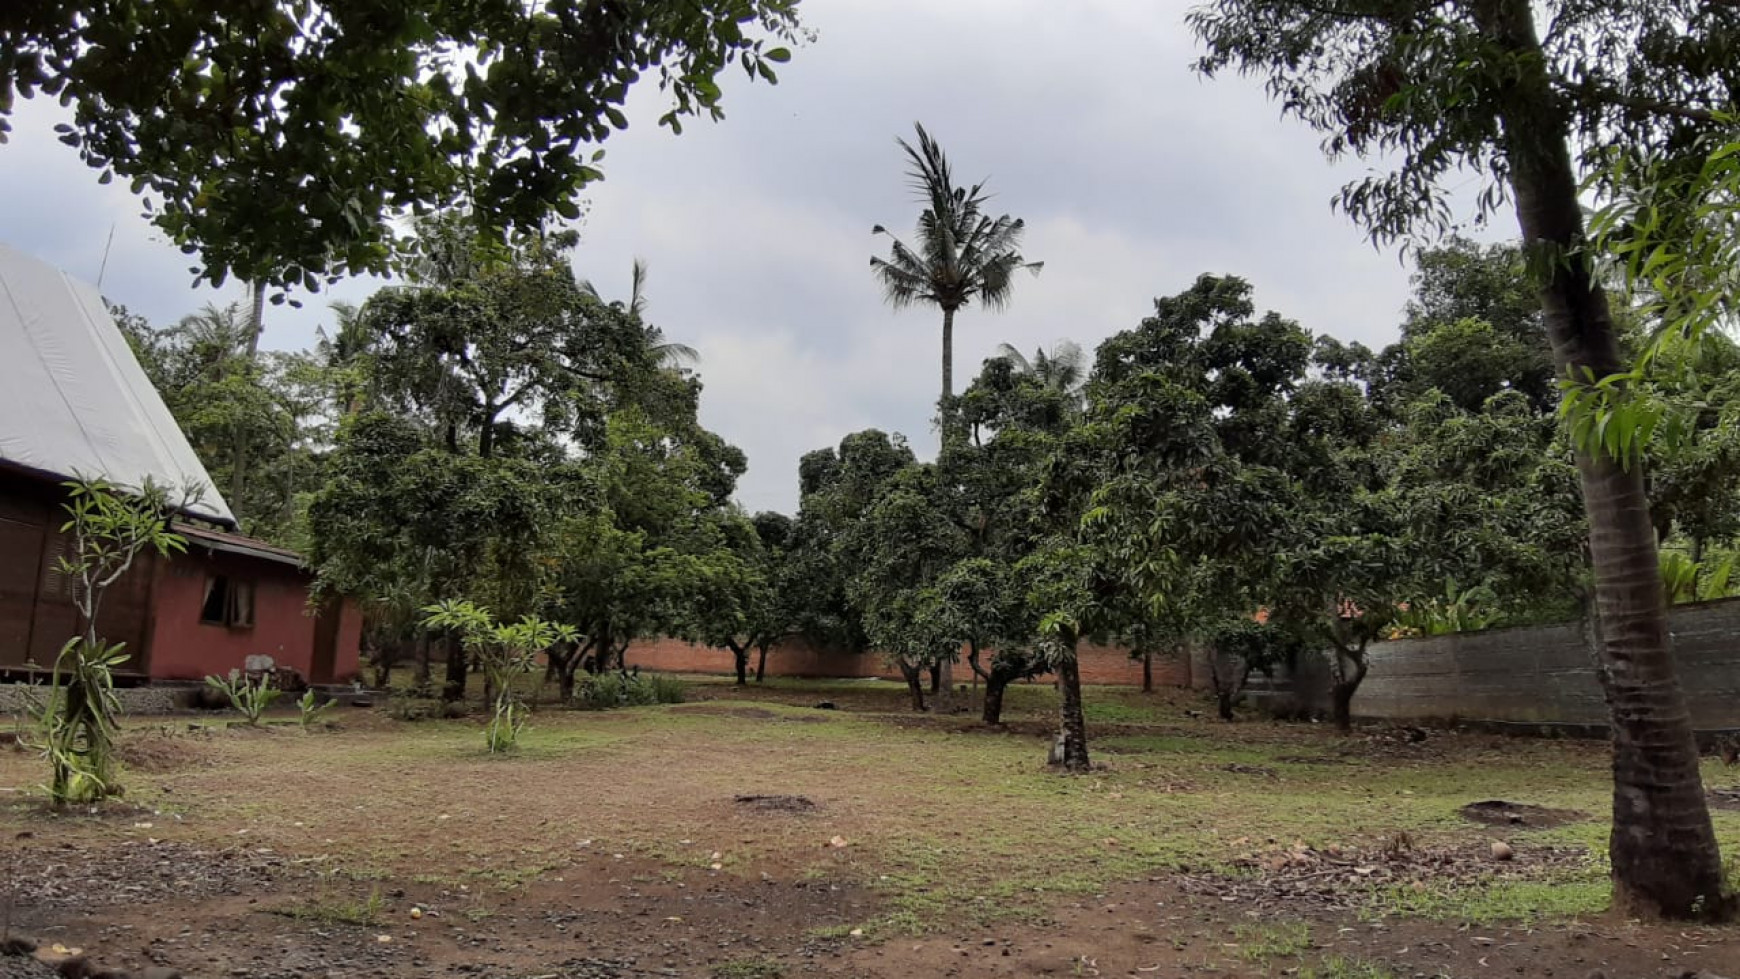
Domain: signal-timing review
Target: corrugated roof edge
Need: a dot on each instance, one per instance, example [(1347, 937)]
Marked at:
[(57, 479), (218, 540)]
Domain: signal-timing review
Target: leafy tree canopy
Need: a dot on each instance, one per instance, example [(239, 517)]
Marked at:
[(280, 140)]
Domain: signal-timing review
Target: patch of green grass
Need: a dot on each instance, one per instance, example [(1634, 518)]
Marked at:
[(1264, 943), (1557, 897), (365, 913), (748, 969), (1113, 712), (1336, 967)]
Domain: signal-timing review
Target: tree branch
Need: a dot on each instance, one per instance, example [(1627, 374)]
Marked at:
[(1644, 104)]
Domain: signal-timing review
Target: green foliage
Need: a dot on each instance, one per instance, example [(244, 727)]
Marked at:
[(77, 723), (1337, 967), (235, 107), (1457, 610), (250, 696), (310, 707), (1686, 580), (608, 691), (479, 334), (406, 706), (506, 651), (960, 255), (748, 969), (366, 913), (1670, 223), (111, 527), (267, 414)]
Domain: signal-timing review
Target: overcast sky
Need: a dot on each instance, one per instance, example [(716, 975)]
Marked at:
[(1133, 174)]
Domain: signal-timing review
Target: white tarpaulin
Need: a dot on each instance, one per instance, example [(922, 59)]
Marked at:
[(73, 400)]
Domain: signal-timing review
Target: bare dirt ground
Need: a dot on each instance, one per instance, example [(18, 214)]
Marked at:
[(764, 838)]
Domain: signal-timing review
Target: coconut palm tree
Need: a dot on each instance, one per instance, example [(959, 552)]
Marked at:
[(1062, 369), (669, 354), (960, 254)]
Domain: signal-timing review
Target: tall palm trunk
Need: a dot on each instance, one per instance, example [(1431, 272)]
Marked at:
[(1663, 848), (239, 459), (948, 370)]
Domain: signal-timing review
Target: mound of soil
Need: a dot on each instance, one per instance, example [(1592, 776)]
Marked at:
[(1498, 812), (777, 803), (1303, 878), (160, 752)]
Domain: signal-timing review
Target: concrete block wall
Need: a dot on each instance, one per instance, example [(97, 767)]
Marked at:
[(1527, 675)]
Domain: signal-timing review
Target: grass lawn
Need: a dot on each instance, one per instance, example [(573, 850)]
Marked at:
[(947, 829)]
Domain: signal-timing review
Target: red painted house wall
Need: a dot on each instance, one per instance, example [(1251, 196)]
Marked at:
[(348, 664), (185, 648)]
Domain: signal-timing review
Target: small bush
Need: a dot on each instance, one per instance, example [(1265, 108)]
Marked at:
[(248, 696), (666, 689), (312, 707), (608, 691), (402, 706)]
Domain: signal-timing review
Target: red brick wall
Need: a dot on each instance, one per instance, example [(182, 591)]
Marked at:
[(1100, 665)]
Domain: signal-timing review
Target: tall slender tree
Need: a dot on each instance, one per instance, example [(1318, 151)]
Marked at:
[(669, 353), (960, 253), (1456, 86)]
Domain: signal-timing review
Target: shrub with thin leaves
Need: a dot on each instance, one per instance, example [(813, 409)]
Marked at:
[(249, 696), (311, 707), (505, 651), (77, 722), (110, 526), (666, 689), (608, 691)]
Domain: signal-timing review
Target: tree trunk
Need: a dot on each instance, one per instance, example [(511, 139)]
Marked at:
[(1229, 674), (993, 713), (565, 678), (1075, 753), (1350, 670), (761, 663), (422, 680), (1341, 695), (740, 656), (383, 655), (945, 688), (914, 682), (1147, 671), (935, 677), (454, 689), (1663, 848), (239, 458), (486, 440), (948, 362)]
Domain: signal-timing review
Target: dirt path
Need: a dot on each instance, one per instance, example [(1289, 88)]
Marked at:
[(245, 913), (253, 915)]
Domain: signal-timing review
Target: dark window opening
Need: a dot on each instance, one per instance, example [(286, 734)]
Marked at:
[(228, 602)]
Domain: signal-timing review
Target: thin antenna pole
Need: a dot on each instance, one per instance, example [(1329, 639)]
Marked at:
[(104, 268)]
